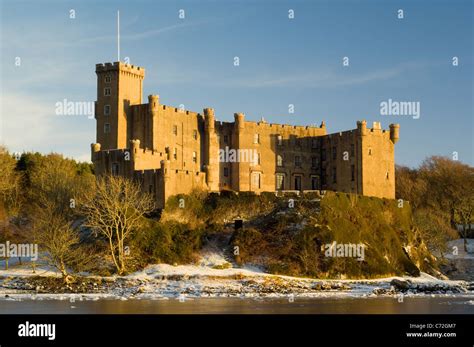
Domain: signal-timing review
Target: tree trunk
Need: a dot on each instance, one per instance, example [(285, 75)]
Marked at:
[(465, 238), (62, 268), (122, 258), (112, 252)]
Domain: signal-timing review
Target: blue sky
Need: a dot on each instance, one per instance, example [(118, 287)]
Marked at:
[(190, 61)]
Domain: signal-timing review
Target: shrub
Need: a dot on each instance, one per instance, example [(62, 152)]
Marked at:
[(168, 242)]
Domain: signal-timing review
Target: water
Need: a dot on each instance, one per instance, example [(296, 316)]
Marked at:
[(375, 305)]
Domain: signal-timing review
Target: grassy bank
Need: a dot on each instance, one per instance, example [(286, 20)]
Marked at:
[(287, 235)]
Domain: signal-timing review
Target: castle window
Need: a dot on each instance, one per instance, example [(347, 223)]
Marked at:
[(106, 110), (108, 79), (194, 157), (256, 180), (107, 91), (297, 182), (280, 179), (279, 160), (314, 182), (175, 153), (115, 169), (334, 175), (258, 158), (280, 140), (195, 134), (106, 128), (386, 176), (226, 139), (314, 162), (352, 173), (370, 151), (334, 153), (352, 150), (226, 172), (298, 142), (175, 130), (256, 138), (297, 161), (314, 143)]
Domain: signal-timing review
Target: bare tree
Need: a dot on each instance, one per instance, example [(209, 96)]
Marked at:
[(410, 186), (56, 189), (116, 211), (56, 235), (442, 194), (449, 182)]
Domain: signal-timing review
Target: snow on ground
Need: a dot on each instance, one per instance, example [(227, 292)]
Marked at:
[(194, 270), (209, 278), (15, 269), (212, 255)]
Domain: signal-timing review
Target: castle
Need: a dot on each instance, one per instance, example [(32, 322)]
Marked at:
[(170, 150)]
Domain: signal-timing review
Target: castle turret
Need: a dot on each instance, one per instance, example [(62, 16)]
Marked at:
[(212, 150), (209, 118), (164, 190), (239, 119), (95, 148), (165, 166), (153, 107), (135, 145), (239, 169), (362, 127), (153, 102), (394, 132)]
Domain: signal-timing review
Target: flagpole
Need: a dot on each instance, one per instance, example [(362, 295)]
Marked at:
[(118, 35)]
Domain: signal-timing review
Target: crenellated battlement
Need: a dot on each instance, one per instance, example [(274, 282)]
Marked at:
[(275, 128), (392, 133), (119, 66)]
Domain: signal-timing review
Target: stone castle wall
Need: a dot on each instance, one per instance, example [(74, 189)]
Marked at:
[(172, 150)]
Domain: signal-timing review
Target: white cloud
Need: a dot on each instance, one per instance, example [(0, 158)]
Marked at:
[(321, 79), (28, 123), (139, 36)]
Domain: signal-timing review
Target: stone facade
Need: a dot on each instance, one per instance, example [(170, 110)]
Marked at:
[(172, 150)]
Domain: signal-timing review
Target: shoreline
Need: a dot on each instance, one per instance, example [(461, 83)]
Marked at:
[(162, 281)]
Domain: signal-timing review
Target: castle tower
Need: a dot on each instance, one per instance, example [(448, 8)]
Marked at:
[(394, 132), (211, 150), (154, 125), (239, 170), (375, 159), (362, 127), (119, 85)]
